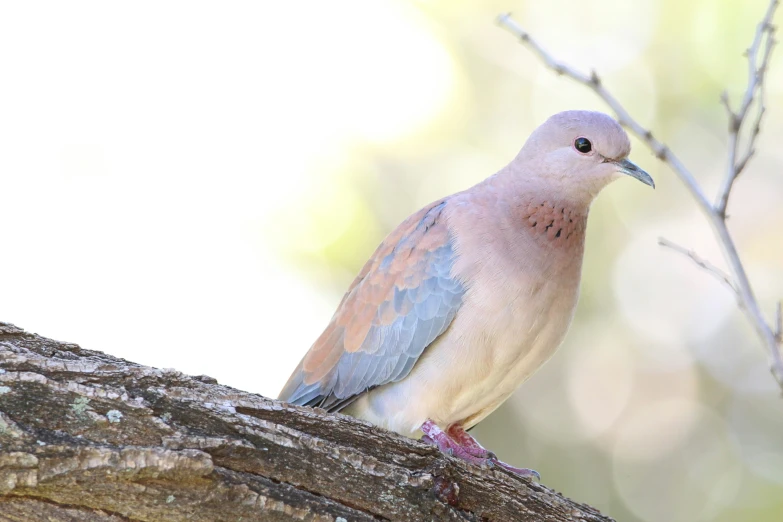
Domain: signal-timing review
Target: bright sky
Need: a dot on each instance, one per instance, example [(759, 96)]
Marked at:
[(146, 147)]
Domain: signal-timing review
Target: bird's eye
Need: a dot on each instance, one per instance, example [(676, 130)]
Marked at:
[(583, 145)]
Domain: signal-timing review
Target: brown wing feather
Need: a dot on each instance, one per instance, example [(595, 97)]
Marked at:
[(403, 298)]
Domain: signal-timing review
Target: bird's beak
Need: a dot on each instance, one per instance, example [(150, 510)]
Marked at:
[(627, 167)]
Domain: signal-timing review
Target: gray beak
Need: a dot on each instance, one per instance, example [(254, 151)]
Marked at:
[(627, 167)]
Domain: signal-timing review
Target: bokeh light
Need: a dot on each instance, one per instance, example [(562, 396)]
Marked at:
[(600, 382)]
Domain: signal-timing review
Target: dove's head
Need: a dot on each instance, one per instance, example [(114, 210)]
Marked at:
[(578, 153)]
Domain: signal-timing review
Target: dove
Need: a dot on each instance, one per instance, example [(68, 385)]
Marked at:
[(469, 296)]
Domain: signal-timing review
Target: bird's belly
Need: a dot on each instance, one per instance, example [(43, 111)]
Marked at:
[(499, 365), (477, 364)]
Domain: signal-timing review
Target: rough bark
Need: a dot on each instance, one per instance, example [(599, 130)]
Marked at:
[(85, 436)]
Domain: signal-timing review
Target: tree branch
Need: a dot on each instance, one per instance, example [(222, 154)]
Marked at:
[(722, 276), (754, 91), (715, 214), (87, 437)]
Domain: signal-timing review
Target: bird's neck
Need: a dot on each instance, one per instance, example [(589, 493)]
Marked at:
[(560, 223), (544, 213)]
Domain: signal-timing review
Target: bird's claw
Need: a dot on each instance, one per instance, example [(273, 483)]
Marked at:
[(522, 472), (458, 443), (493, 463)]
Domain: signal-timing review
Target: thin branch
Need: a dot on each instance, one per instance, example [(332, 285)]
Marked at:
[(715, 216), (763, 42), (722, 276)]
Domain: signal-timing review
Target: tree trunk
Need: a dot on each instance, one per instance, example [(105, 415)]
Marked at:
[(85, 436)]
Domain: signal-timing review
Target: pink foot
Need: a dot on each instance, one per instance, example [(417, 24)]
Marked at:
[(461, 444), (522, 472), (433, 434), (466, 440)]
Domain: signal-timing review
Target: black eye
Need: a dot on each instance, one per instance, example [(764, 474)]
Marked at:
[(583, 145)]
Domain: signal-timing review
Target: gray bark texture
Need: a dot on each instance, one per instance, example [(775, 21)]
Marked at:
[(87, 437)]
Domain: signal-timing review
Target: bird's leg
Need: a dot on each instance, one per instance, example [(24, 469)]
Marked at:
[(433, 433), (466, 440)]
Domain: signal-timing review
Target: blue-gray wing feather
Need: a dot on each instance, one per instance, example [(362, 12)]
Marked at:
[(425, 300)]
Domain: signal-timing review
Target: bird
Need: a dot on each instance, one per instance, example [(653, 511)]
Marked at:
[(469, 296)]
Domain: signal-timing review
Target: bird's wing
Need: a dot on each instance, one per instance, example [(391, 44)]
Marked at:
[(401, 301)]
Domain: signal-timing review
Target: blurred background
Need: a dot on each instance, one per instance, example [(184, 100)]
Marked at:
[(195, 184)]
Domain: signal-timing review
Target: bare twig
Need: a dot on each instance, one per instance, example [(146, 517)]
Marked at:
[(722, 276), (715, 214), (765, 35)]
